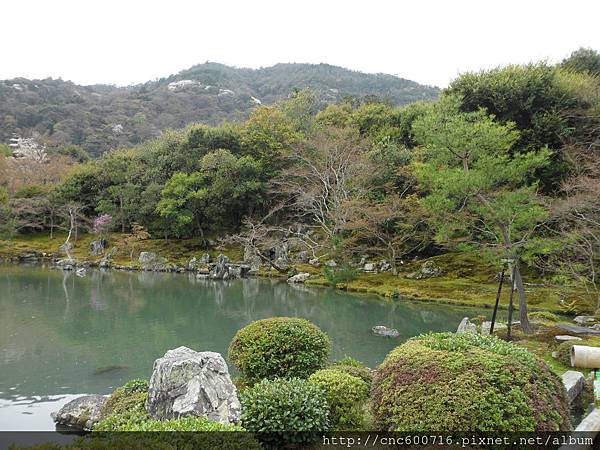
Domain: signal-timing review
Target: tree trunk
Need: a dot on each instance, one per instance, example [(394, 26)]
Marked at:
[(122, 215), (525, 325), (392, 257)]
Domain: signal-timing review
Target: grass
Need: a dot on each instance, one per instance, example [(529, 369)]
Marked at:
[(543, 343)]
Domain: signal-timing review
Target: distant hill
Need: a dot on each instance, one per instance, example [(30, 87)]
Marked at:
[(100, 117)]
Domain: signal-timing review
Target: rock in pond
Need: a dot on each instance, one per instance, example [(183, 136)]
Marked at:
[(220, 271), (189, 383), (67, 264), (152, 262), (81, 413), (299, 277), (466, 326), (380, 330)]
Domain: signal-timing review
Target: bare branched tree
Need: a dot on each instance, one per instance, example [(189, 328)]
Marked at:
[(322, 178), (575, 221), (259, 238), (392, 227)]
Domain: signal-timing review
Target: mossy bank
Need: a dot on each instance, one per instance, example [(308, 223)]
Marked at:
[(465, 278)]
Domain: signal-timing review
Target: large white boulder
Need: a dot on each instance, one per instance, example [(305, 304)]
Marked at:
[(189, 383), (466, 326), (574, 383)]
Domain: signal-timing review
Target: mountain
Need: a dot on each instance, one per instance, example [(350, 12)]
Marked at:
[(100, 117)]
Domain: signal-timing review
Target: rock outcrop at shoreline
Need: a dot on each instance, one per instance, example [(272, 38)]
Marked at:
[(189, 383), (81, 413), (183, 383)]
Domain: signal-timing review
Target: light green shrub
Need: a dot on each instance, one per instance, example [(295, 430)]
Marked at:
[(284, 405), (346, 396)]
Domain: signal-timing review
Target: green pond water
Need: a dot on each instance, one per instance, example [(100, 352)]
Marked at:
[(63, 335)]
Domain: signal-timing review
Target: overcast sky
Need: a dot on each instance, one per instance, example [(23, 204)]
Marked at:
[(124, 42)]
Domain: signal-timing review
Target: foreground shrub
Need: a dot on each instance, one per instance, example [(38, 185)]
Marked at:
[(466, 382), (346, 396), (189, 423), (284, 405), (125, 412), (563, 352), (125, 407), (353, 367), (280, 347)]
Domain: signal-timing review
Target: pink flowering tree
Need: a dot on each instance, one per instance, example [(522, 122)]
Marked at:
[(102, 224)]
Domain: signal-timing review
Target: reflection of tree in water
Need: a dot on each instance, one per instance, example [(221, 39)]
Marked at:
[(130, 319), (147, 279)]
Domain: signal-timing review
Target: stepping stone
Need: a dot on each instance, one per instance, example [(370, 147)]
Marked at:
[(566, 337), (584, 320), (574, 383), (590, 423), (578, 330)]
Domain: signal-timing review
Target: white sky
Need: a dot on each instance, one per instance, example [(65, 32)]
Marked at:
[(126, 41)]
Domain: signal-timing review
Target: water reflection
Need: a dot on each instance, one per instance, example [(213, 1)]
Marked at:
[(60, 333)]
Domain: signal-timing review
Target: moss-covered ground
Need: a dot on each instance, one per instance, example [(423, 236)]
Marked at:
[(177, 251), (465, 280)]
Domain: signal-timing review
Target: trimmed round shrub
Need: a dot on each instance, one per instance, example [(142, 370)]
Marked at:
[(346, 396), (466, 382), (353, 367), (279, 347), (284, 405)]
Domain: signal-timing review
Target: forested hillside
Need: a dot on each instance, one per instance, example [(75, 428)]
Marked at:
[(100, 117), (505, 164)]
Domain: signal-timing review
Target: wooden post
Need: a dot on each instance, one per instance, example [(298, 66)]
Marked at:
[(510, 303), (497, 301)]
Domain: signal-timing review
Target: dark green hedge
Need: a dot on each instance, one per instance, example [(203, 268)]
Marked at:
[(279, 347), (284, 405)]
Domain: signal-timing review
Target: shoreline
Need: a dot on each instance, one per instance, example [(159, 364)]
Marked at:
[(313, 282), (466, 279)]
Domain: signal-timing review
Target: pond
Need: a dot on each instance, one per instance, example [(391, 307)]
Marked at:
[(62, 335)]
